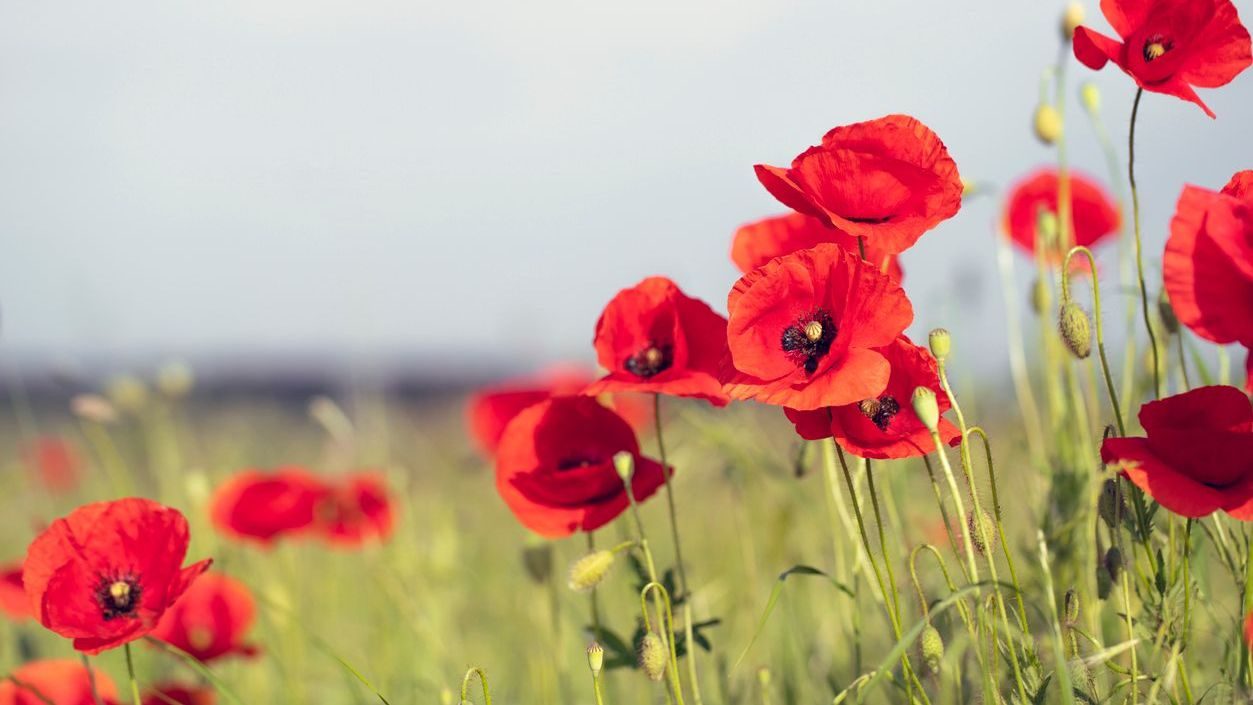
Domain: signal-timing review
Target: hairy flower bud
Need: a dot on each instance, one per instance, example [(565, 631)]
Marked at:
[(982, 532), (587, 572), (1047, 123), (926, 408), (940, 342), (595, 658), (931, 646), (1076, 329), (1113, 563), (653, 657), (1111, 506), (1071, 608), (1071, 19)]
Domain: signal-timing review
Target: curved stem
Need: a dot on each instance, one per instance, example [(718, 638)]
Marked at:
[(673, 662), (1135, 214), (465, 685), (1100, 331), (1000, 526)]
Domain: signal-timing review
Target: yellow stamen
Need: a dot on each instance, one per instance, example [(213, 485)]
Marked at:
[(652, 356), (1154, 50)]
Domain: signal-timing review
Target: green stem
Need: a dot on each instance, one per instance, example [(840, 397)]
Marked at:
[(91, 680), (130, 673), (465, 685), (1100, 331), (1135, 214), (668, 628)]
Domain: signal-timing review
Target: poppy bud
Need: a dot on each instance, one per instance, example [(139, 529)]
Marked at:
[(1071, 19), (1046, 228), (1039, 296), (1167, 312), (940, 343), (1103, 582), (1113, 563), (93, 407), (1090, 96), (587, 572), (926, 408), (1071, 606), (175, 380), (931, 646), (127, 393), (1111, 506), (445, 696), (1081, 676), (653, 657), (1076, 329), (1048, 123), (764, 676), (981, 525), (969, 188), (595, 658), (538, 561), (624, 463)]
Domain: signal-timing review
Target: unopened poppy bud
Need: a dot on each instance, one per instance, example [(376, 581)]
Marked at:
[(1081, 676), (1111, 505), (1071, 606), (1046, 228), (1103, 582), (175, 380), (931, 646), (1090, 96), (653, 657), (1039, 296), (127, 393), (1167, 312), (940, 343), (1076, 329), (1048, 123), (587, 572), (1113, 563), (595, 658), (538, 561), (624, 463), (1071, 19), (926, 408), (982, 532)]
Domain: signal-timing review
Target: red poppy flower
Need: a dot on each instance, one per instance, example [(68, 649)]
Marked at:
[(888, 180), (805, 330), (1208, 264), (12, 595), (354, 510), (105, 574), (1093, 213), (654, 338), (1248, 371), (55, 681), (1198, 454), (1248, 629), (884, 426), (210, 620), (54, 463), (175, 694), (1170, 46), (757, 243), (264, 506), (555, 471)]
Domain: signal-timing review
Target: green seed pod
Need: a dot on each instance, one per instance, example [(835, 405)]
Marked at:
[(653, 657), (1167, 312), (624, 463), (587, 572), (1113, 563), (595, 658), (1076, 329), (1047, 123), (1112, 506), (981, 525), (940, 343), (926, 408), (1071, 604), (931, 646)]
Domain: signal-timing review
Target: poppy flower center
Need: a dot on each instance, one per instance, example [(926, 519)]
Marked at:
[(1155, 46), (575, 462), (880, 411), (118, 595), (808, 339), (650, 361)]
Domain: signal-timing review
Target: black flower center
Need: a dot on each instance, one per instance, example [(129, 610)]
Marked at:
[(653, 359), (808, 339), (1155, 46), (118, 595), (575, 462), (880, 411)]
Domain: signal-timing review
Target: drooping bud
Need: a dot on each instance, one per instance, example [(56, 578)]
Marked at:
[(982, 529), (1071, 19), (587, 572), (624, 463), (1090, 96), (1111, 506), (1113, 563), (1039, 296), (926, 408), (940, 342), (1047, 123), (653, 657), (1103, 582), (1071, 607), (1076, 329), (1167, 312), (931, 646), (538, 561), (595, 658)]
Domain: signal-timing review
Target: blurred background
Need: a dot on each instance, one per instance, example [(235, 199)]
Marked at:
[(446, 191)]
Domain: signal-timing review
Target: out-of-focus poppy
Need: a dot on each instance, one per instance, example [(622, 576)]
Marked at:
[(263, 506), (1094, 216), (888, 180), (13, 601), (354, 510), (1170, 46), (761, 241), (54, 463), (555, 468), (55, 682), (805, 330), (211, 619), (106, 573)]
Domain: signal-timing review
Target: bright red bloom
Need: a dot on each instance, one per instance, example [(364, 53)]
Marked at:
[(1198, 456), (654, 338), (210, 620), (805, 329), (1170, 46), (759, 242), (54, 463), (1248, 371), (105, 574), (263, 506), (1208, 264), (1093, 213), (555, 471), (884, 426), (12, 595), (354, 510), (55, 681), (888, 180), (167, 693)]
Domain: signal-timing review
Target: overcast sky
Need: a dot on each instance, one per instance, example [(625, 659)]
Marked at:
[(472, 180)]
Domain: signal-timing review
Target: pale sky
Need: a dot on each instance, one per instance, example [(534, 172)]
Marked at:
[(473, 180)]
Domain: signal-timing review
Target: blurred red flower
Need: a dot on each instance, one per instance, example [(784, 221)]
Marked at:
[(1208, 264), (759, 242), (1248, 371), (884, 426), (263, 506), (210, 620), (354, 510), (173, 693), (1198, 454), (13, 601), (1094, 216), (55, 682), (1170, 46), (805, 329), (888, 180), (105, 574), (54, 463), (555, 471), (1248, 629), (654, 338)]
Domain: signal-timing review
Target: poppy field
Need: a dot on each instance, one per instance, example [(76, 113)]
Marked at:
[(790, 495)]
